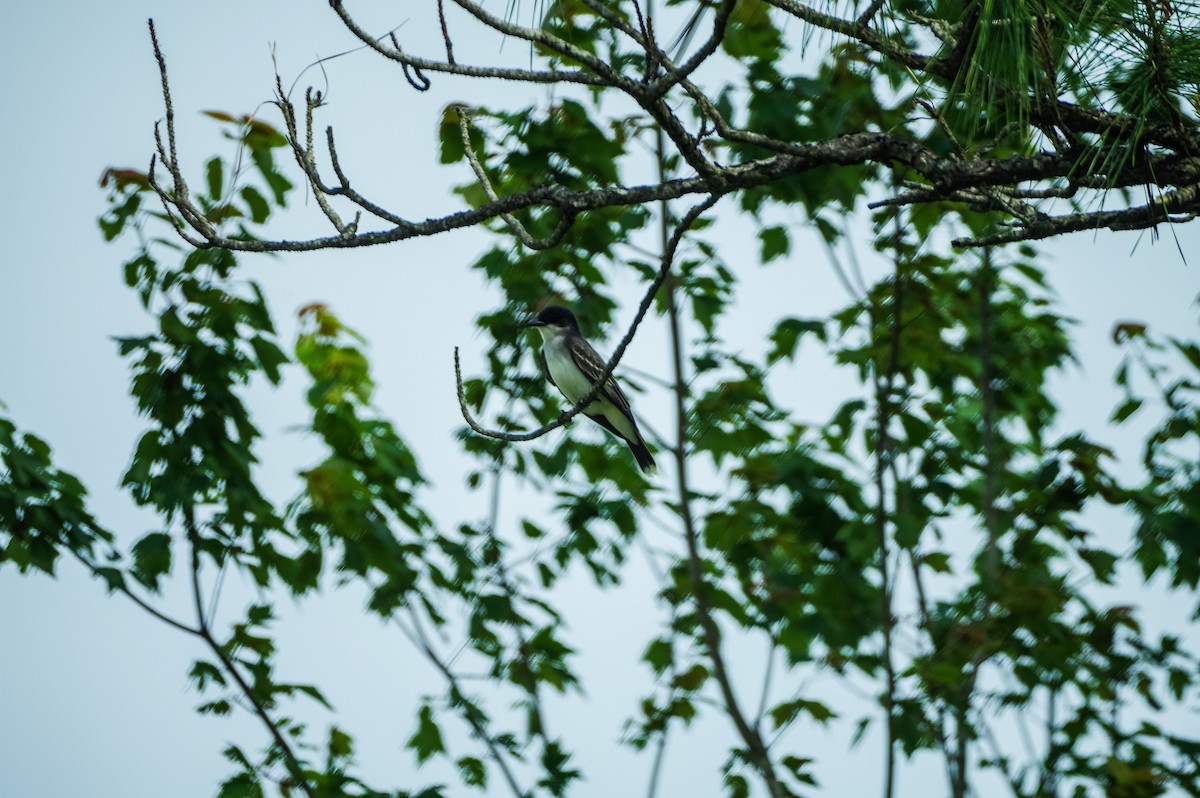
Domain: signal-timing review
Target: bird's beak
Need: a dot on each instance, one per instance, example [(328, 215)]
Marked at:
[(532, 323)]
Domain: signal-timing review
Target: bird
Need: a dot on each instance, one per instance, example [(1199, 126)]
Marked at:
[(572, 366)]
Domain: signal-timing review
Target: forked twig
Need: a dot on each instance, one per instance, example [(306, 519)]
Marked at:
[(514, 224)]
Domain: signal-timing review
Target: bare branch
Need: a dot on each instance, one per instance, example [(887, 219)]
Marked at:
[(945, 176), (973, 180), (445, 32), (1173, 208), (180, 228), (306, 157), (453, 68), (170, 161), (349, 193)]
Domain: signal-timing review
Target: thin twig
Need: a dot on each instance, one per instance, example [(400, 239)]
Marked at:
[(760, 756), (422, 641), (768, 676), (294, 767), (1176, 207), (463, 70), (991, 570), (445, 32), (533, 685), (884, 389), (656, 767), (135, 598), (927, 627)]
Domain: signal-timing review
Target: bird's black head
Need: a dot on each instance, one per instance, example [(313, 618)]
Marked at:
[(554, 316)]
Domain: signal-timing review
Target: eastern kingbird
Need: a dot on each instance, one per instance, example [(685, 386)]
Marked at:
[(572, 366)]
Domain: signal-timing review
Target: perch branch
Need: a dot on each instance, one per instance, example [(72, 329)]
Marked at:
[(667, 260)]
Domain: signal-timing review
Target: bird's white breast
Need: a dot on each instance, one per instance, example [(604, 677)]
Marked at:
[(574, 385), (562, 368)]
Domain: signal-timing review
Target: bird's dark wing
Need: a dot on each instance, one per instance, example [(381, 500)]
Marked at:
[(541, 359), (604, 422), (592, 366)]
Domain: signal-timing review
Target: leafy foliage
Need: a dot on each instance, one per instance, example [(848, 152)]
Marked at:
[(933, 537)]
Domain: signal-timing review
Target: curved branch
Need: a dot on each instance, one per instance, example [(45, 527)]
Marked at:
[(668, 259), (563, 48), (349, 193), (450, 67), (859, 32)]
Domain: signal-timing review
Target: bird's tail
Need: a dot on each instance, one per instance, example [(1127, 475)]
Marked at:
[(642, 455)]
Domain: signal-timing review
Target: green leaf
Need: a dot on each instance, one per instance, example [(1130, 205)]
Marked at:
[(270, 357), (243, 785), (692, 679), (937, 561), (426, 741), (450, 136), (341, 745), (798, 766), (259, 614), (1125, 410), (532, 530), (151, 559), (113, 578), (204, 672), (215, 173), (785, 713), (658, 655), (276, 182), (751, 33), (256, 203), (737, 785), (787, 334), (313, 693), (220, 707), (1189, 350), (473, 772), (774, 243)]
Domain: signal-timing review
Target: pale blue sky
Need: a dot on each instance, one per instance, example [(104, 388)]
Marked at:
[(93, 695)]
